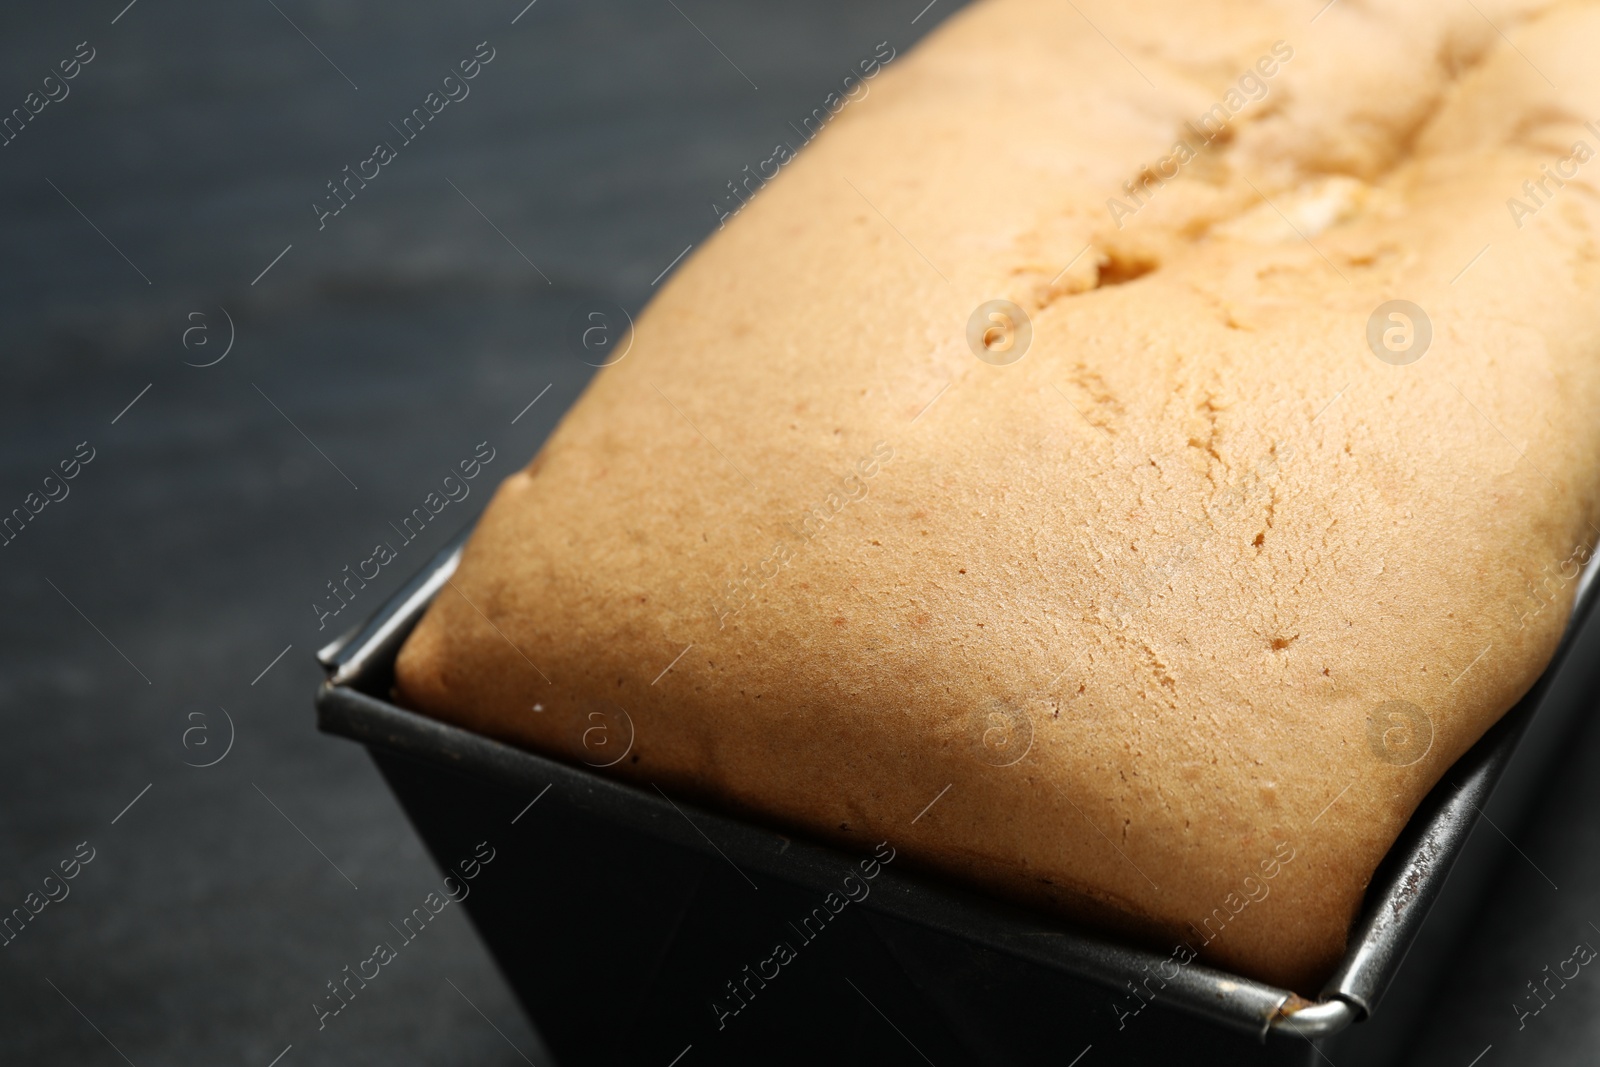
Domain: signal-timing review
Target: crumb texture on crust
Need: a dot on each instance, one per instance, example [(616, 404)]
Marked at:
[(1179, 616)]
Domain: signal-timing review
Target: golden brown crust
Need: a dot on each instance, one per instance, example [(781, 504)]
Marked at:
[(1147, 612)]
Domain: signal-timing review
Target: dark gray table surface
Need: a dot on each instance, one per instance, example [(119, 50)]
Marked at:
[(171, 591)]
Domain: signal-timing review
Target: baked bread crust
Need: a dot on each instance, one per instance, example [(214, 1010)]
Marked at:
[(1197, 584)]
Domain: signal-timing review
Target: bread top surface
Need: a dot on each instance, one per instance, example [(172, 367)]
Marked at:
[(1197, 583)]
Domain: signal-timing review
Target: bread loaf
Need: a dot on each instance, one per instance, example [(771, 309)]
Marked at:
[(1123, 461)]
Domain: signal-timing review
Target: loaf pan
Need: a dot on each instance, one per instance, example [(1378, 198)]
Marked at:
[(635, 927)]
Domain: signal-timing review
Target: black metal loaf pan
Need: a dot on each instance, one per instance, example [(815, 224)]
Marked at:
[(636, 928)]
